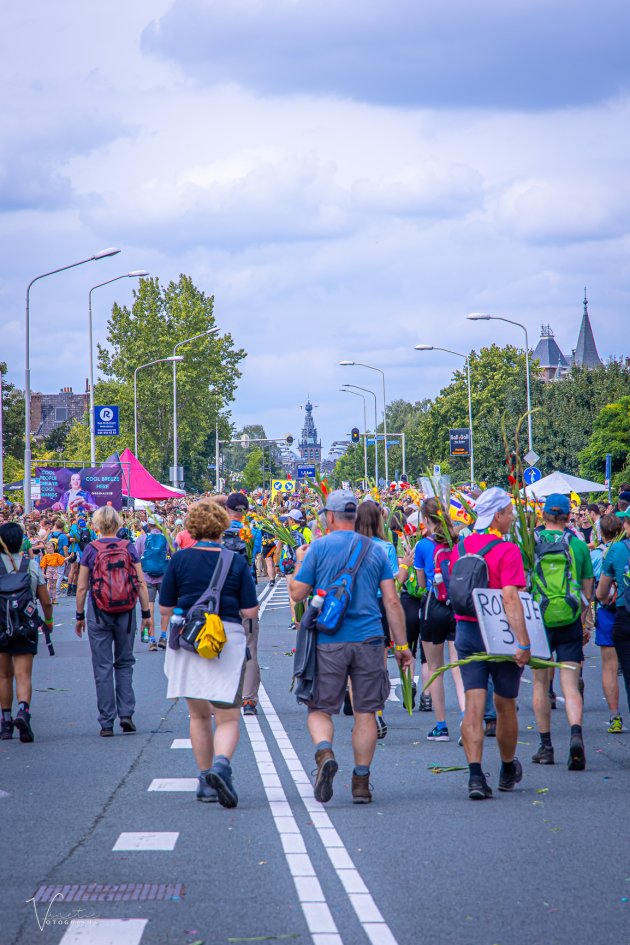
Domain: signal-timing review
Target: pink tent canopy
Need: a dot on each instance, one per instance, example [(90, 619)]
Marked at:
[(141, 484)]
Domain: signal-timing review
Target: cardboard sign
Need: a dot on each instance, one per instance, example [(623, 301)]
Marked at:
[(495, 629)]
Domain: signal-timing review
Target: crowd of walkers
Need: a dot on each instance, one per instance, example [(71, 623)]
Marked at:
[(366, 577)]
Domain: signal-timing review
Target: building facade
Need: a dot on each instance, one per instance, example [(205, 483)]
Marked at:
[(553, 363), (50, 411)]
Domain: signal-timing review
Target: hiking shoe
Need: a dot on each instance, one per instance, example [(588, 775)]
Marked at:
[(22, 722), (491, 728), (291, 626), (144, 636), (327, 768), (544, 755), (127, 724), (478, 788), (615, 727), (507, 782), (219, 777), (249, 708), (162, 641), (361, 793), (106, 731), (347, 704), (426, 703), (577, 758), (438, 734), (152, 645), (205, 793), (6, 730), (552, 699), (381, 727)]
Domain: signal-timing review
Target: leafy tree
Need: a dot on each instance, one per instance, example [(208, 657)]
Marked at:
[(611, 434), (56, 441), (252, 475)]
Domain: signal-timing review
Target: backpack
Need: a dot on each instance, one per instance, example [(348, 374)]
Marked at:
[(85, 537), (469, 571), (411, 585), (233, 542), (442, 578), (554, 585), (19, 616), (626, 577), (202, 631), (114, 581), (154, 558), (339, 592), (288, 560)]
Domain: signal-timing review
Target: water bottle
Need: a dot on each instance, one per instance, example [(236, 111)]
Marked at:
[(312, 612), (332, 613), (175, 626)]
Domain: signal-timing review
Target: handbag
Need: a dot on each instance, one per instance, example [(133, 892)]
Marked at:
[(202, 631), (339, 591)]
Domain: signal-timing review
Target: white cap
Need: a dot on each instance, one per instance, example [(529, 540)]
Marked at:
[(296, 515), (490, 502)]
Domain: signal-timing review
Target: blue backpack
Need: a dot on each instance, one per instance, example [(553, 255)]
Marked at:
[(154, 556)]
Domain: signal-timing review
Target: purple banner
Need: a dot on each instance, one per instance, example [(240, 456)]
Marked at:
[(79, 490)]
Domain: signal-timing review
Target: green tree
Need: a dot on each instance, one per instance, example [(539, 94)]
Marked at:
[(611, 434), (252, 475)]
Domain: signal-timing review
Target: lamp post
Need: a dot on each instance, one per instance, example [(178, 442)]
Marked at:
[(135, 274), (104, 253), (345, 390), (371, 367), (481, 317), (470, 419), (202, 334), (368, 391), (178, 357)]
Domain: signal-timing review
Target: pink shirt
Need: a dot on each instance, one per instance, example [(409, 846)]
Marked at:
[(184, 539), (505, 563)]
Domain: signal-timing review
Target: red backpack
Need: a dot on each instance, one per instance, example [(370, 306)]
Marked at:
[(442, 565), (114, 582)]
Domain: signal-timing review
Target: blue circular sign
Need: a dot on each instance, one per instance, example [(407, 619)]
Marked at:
[(531, 475)]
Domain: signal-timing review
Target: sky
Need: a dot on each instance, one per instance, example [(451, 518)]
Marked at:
[(347, 179)]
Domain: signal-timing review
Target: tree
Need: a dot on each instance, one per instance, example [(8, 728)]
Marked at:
[(13, 428), (611, 434), (252, 475)]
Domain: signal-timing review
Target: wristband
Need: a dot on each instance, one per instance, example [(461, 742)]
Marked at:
[(521, 647), (399, 649), (145, 614), (49, 622), (80, 616), (405, 566)]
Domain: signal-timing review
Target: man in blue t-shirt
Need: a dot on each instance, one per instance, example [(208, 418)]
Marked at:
[(616, 570), (355, 651)]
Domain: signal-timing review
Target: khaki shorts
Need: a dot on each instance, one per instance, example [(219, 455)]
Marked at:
[(154, 590), (363, 663)]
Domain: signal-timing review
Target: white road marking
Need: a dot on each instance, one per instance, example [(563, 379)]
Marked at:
[(146, 841), (173, 784), (104, 932), (181, 743)]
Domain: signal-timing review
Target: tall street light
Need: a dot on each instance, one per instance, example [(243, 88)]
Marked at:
[(470, 419), (202, 334), (481, 317), (104, 253), (371, 367), (345, 390), (179, 357), (368, 391), (134, 274)]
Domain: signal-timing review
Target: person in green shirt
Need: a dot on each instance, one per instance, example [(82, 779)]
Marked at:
[(563, 600), (616, 570)]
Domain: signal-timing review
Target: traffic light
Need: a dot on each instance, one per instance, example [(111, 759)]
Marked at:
[(355, 435), (289, 439)]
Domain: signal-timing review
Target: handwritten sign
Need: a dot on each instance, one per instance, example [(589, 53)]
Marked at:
[(497, 634)]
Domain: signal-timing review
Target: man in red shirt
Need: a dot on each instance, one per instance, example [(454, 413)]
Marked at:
[(505, 572)]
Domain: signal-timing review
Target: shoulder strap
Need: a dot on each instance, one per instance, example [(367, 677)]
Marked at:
[(23, 564), (219, 575), (486, 548), (358, 551)]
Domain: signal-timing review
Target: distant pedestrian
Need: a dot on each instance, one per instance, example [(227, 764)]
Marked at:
[(153, 549)]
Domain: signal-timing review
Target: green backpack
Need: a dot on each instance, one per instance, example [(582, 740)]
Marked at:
[(411, 585), (554, 585)]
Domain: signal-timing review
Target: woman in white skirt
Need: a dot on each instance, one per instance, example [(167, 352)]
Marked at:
[(210, 686)]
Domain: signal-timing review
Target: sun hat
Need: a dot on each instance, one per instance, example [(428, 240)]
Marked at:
[(490, 502)]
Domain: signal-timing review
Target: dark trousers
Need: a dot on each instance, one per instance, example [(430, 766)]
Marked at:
[(111, 639), (621, 639)]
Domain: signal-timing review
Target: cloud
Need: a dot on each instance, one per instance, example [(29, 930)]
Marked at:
[(525, 55)]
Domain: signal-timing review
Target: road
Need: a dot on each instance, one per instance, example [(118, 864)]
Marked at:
[(547, 865)]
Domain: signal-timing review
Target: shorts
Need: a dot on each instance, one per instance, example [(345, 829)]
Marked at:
[(604, 619), (268, 550), (621, 626), (363, 663), (566, 642), (437, 622), (154, 590), (506, 677), (385, 622), (411, 607)]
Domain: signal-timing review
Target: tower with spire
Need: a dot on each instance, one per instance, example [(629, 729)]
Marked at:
[(554, 365), (310, 447), (585, 354)]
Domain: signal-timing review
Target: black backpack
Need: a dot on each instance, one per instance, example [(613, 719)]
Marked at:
[(85, 537), (233, 542), (469, 571), (19, 616)]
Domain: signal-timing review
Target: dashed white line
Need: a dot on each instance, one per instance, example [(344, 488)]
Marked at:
[(173, 784), (146, 841), (104, 932)]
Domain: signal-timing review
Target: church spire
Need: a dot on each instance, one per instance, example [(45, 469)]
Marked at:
[(586, 350)]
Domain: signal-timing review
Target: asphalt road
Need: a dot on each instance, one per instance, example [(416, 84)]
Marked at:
[(547, 865)]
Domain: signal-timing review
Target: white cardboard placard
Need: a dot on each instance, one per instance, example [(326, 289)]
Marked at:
[(495, 629)]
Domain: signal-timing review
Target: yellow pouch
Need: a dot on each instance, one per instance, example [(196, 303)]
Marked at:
[(211, 638)]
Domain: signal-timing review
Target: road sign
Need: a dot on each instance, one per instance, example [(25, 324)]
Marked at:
[(531, 458), (279, 486), (531, 475), (459, 439), (106, 421), (305, 472), (495, 628), (437, 469)]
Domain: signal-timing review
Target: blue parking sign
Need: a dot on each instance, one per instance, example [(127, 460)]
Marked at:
[(106, 422)]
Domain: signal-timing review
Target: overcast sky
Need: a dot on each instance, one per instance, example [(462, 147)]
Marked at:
[(347, 178)]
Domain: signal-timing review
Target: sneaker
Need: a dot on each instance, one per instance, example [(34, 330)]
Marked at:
[(106, 731), (347, 704), (478, 788), (615, 727), (577, 758), (152, 645), (361, 793), (205, 793), (327, 768), (272, 582), (426, 703), (552, 699), (144, 636), (162, 641), (22, 722), (6, 730), (127, 724), (291, 626), (544, 755), (381, 727), (491, 728), (507, 782), (219, 777), (438, 734), (249, 708)]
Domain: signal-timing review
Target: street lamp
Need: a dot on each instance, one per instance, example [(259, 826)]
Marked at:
[(178, 357), (345, 390), (371, 367), (202, 334), (368, 391), (104, 253), (470, 420), (481, 317), (134, 274)]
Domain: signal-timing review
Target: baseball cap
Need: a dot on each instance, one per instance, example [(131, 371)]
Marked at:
[(624, 514), (236, 501), (341, 500), (81, 522), (296, 515), (490, 502), (624, 496), (156, 519), (557, 504)]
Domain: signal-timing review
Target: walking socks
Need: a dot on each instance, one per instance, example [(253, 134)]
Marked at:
[(507, 767), (23, 706), (441, 725), (576, 730), (474, 769), (6, 715), (220, 761), (361, 770), (545, 739), (321, 746)]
